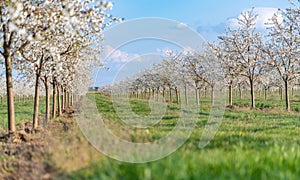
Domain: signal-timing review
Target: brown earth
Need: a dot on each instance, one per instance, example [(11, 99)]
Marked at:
[(50, 152)]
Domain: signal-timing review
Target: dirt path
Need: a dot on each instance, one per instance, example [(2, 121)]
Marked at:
[(51, 152)]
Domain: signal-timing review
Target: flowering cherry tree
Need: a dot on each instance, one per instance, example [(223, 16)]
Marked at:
[(282, 48), (244, 44), (37, 35)]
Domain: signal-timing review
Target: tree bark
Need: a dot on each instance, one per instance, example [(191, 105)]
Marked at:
[(153, 92), (287, 98), (9, 82), (163, 100), (185, 95), (36, 101), (197, 96), (59, 101), (177, 96), (281, 94), (67, 99), (54, 100), (240, 92), (157, 94), (266, 93), (71, 99), (63, 104), (252, 93), (171, 97), (230, 93), (47, 87), (212, 96)]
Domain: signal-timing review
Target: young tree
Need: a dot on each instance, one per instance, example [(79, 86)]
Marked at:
[(196, 70), (282, 47), (69, 27), (13, 14), (244, 44), (228, 64)]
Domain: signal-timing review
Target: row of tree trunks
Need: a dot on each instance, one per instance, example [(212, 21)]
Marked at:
[(61, 99), (19, 99), (173, 95), (170, 99)]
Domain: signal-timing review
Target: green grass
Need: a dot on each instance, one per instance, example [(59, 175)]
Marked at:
[(250, 144), (23, 112)]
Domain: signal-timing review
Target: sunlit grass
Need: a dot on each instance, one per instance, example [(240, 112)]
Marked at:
[(250, 144), (23, 112)]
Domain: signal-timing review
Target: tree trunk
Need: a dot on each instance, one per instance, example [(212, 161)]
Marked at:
[(153, 93), (171, 97), (157, 94), (47, 87), (287, 98), (69, 96), (240, 92), (54, 99), (9, 81), (63, 99), (177, 96), (185, 95), (252, 94), (230, 93), (67, 99), (266, 93), (36, 101), (163, 100), (59, 99), (71, 99), (212, 96), (281, 94), (197, 96)]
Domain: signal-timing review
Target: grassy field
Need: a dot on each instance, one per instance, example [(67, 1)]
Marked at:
[(23, 112), (250, 144)]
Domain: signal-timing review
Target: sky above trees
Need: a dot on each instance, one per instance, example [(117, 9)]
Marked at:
[(208, 18)]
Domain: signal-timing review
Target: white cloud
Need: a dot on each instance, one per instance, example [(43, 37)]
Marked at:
[(181, 26), (264, 16), (114, 55)]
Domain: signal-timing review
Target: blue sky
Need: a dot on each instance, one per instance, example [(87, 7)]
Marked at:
[(209, 18), (197, 14)]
